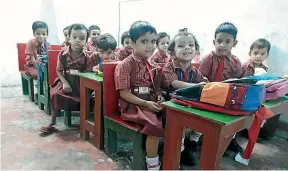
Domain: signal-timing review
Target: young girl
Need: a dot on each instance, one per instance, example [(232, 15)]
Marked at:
[(67, 38), (94, 33), (126, 49), (34, 48), (180, 73), (162, 42), (65, 92), (137, 80)]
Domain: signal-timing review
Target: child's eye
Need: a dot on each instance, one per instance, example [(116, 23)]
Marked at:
[(153, 41), (74, 37), (191, 45), (228, 42), (144, 41)]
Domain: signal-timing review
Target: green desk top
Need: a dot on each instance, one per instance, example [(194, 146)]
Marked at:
[(91, 76), (219, 117)]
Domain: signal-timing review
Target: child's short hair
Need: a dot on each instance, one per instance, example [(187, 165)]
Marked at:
[(140, 28), (39, 24), (160, 36), (66, 28), (124, 36), (260, 44), (182, 32), (228, 28), (106, 41), (78, 27)]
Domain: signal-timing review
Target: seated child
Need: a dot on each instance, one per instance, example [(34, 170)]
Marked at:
[(94, 33), (106, 45), (221, 65), (65, 91), (137, 80), (162, 42), (67, 38), (180, 73), (126, 48), (35, 48), (259, 52)]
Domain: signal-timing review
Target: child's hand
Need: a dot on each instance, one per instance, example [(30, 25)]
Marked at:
[(155, 107), (67, 88), (160, 99)]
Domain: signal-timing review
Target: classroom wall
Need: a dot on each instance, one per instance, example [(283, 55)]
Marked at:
[(254, 19)]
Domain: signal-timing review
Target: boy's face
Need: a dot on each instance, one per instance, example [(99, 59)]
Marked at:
[(94, 34), (66, 35), (145, 45), (163, 44), (105, 55), (78, 39), (259, 55), (184, 48), (40, 34), (127, 46), (224, 43)]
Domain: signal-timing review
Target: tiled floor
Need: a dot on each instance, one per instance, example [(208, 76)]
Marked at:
[(23, 148)]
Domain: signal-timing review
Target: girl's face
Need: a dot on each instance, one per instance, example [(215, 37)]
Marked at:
[(67, 38), (184, 48), (127, 45), (41, 34), (94, 34), (163, 44), (78, 39)]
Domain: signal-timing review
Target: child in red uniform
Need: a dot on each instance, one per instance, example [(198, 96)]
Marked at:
[(126, 48), (106, 45), (180, 73), (259, 52), (65, 91), (34, 48), (221, 64), (162, 42), (137, 80), (67, 38), (94, 33)]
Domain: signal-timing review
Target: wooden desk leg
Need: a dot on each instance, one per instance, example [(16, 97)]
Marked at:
[(98, 119), (213, 147), (84, 108), (173, 136)]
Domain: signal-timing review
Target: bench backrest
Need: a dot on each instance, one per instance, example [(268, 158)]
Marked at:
[(110, 94), (21, 56), (56, 47), (52, 64)]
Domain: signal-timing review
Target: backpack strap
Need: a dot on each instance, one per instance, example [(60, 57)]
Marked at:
[(220, 69)]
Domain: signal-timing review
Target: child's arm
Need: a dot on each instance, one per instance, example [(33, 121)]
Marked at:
[(205, 66), (30, 58), (59, 70)]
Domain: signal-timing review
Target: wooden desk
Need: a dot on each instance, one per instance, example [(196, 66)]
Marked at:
[(91, 81), (218, 130)]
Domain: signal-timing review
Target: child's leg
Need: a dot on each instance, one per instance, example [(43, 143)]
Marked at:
[(35, 86), (50, 127), (152, 158)]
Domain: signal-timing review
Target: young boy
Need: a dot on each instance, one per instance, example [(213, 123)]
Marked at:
[(126, 48), (94, 33), (162, 42), (137, 80), (259, 52), (180, 73), (67, 38), (221, 65), (106, 45)]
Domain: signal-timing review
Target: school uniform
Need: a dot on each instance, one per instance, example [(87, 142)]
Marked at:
[(160, 57), (69, 66), (33, 49), (91, 46), (142, 78), (172, 71), (121, 54), (211, 63), (248, 68)]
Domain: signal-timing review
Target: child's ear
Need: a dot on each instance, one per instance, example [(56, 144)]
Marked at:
[(235, 43), (214, 42)]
